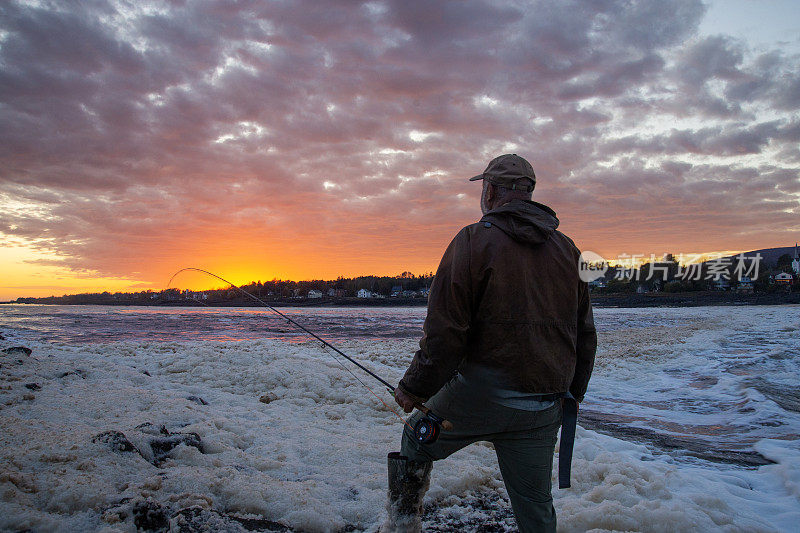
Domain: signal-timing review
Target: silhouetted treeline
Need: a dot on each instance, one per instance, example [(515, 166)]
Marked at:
[(736, 273), (404, 286)]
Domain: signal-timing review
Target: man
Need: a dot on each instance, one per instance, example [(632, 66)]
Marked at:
[(509, 335)]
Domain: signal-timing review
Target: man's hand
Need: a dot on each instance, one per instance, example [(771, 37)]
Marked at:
[(403, 400)]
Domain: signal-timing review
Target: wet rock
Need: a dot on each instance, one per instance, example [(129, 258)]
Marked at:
[(162, 446), (267, 398), (33, 386), (146, 373), (76, 372), (151, 429), (17, 350), (150, 516), (116, 440), (197, 399), (262, 524), (193, 519), (494, 514), (28, 397), (162, 441), (196, 519)]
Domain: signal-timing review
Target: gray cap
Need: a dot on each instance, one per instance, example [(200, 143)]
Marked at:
[(508, 170)]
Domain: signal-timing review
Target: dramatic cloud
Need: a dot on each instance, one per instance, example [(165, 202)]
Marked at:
[(309, 139)]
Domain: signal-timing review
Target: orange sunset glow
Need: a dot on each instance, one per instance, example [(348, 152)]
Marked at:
[(310, 141)]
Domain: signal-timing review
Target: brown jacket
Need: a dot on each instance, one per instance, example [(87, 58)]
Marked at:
[(507, 298)]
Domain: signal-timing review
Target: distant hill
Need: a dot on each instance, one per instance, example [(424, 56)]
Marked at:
[(770, 255)]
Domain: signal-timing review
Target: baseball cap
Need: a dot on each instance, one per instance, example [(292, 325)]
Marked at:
[(507, 171)]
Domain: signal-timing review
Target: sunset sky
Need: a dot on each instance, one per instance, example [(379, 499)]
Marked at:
[(314, 139)]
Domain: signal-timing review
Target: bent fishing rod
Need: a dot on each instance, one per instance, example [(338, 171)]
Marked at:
[(426, 430)]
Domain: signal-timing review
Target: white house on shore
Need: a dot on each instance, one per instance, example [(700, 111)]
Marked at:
[(598, 283), (745, 284), (364, 293), (313, 293), (784, 278)]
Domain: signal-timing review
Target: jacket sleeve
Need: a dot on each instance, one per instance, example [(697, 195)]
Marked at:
[(586, 345), (446, 327)]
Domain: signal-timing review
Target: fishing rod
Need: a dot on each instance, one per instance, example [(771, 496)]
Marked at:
[(427, 428)]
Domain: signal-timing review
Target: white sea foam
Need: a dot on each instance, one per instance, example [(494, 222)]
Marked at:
[(313, 458)]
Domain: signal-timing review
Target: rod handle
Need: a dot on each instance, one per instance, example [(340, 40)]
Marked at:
[(446, 424)]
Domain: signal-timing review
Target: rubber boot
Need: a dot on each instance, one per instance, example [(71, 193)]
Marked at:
[(408, 483)]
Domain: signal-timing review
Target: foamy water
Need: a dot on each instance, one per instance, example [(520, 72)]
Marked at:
[(685, 404)]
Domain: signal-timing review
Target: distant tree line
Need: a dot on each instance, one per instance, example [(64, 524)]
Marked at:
[(406, 285), (727, 273)]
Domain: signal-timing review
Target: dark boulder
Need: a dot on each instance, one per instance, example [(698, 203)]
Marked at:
[(153, 516), (196, 519), (150, 516), (76, 372), (267, 398), (262, 524), (162, 446), (197, 399), (152, 429), (33, 386), (162, 442), (17, 350), (116, 440)]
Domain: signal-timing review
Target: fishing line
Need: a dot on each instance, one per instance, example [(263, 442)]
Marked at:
[(389, 387)]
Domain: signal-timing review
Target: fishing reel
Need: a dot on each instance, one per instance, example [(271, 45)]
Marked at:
[(427, 428)]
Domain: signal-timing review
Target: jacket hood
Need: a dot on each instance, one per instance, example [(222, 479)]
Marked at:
[(524, 221)]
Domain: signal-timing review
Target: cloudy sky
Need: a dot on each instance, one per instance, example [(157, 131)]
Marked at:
[(313, 139)]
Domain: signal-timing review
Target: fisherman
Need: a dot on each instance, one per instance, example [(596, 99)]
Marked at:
[(509, 344)]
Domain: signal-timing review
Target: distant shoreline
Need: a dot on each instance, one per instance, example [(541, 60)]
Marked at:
[(650, 299), (694, 299), (246, 302)]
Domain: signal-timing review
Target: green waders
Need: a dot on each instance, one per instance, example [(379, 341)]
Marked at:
[(523, 440)]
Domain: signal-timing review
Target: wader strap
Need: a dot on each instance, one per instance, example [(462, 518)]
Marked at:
[(569, 420)]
